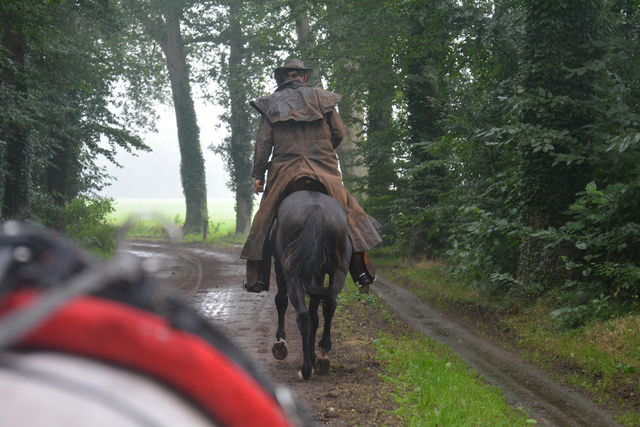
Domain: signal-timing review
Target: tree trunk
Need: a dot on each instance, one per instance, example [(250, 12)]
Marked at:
[(555, 34), (17, 158), (166, 32), (58, 173), (351, 163), (378, 152), (305, 41), (240, 124), (303, 29), (64, 168)]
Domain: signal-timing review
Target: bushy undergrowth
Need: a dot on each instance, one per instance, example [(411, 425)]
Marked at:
[(84, 220), (591, 263), (484, 249), (606, 234)]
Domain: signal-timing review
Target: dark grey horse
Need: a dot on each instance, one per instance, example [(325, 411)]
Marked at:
[(310, 240)]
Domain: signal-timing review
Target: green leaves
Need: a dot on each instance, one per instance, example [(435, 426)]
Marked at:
[(548, 125), (592, 188), (623, 142), (61, 92)]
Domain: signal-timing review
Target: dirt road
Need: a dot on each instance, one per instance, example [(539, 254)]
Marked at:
[(211, 278)]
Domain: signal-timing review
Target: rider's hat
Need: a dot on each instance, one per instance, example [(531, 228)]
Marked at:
[(290, 65)]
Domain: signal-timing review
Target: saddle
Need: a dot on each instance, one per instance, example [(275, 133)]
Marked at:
[(303, 184)]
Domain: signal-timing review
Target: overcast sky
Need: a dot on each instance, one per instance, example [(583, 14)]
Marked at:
[(156, 174)]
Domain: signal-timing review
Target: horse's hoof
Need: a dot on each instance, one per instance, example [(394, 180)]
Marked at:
[(302, 378), (279, 349), (323, 365)]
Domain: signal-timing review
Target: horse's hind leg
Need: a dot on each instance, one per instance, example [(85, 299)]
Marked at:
[(279, 348), (329, 306), (323, 363), (314, 303), (328, 309), (304, 325)]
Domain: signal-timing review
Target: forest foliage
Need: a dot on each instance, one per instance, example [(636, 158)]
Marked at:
[(500, 135)]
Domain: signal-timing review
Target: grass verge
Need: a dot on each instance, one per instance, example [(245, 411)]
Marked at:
[(153, 218), (428, 383), (155, 230), (601, 358)]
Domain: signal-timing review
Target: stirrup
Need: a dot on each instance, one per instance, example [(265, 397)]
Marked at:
[(258, 287), (364, 279)]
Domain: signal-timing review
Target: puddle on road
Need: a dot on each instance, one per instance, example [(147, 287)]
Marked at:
[(148, 245), (229, 308), (215, 303), (146, 254), (229, 270)]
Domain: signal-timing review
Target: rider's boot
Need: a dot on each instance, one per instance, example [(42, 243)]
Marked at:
[(253, 281), (362, 271)]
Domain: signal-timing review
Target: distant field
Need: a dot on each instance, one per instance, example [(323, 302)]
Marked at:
[(220, 210)]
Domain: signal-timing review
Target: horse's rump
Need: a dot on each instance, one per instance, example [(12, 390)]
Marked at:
[(309, 253), (310, 228)]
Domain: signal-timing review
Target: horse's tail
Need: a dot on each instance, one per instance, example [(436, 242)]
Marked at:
[(309, 252)]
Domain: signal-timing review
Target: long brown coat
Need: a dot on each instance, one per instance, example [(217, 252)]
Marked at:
[(301, 126)]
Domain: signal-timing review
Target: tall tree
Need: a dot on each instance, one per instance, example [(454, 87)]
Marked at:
[(351, 161), (379, 146), (426, 87), (305, 37), (324, 55), (240, 122), (162, 20), (358, 48), (80, 77), (248, 41)]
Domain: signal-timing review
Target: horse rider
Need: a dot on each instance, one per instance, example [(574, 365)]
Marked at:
[(300, 129)]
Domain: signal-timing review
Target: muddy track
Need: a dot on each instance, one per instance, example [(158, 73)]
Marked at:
[(211, 278)]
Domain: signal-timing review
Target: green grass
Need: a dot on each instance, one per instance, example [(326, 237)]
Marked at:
[(148, 216), (603, 357), (425, 279), (431, 385), (435, 387)]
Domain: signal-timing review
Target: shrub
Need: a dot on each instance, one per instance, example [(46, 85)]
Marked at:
[(83, 220)]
